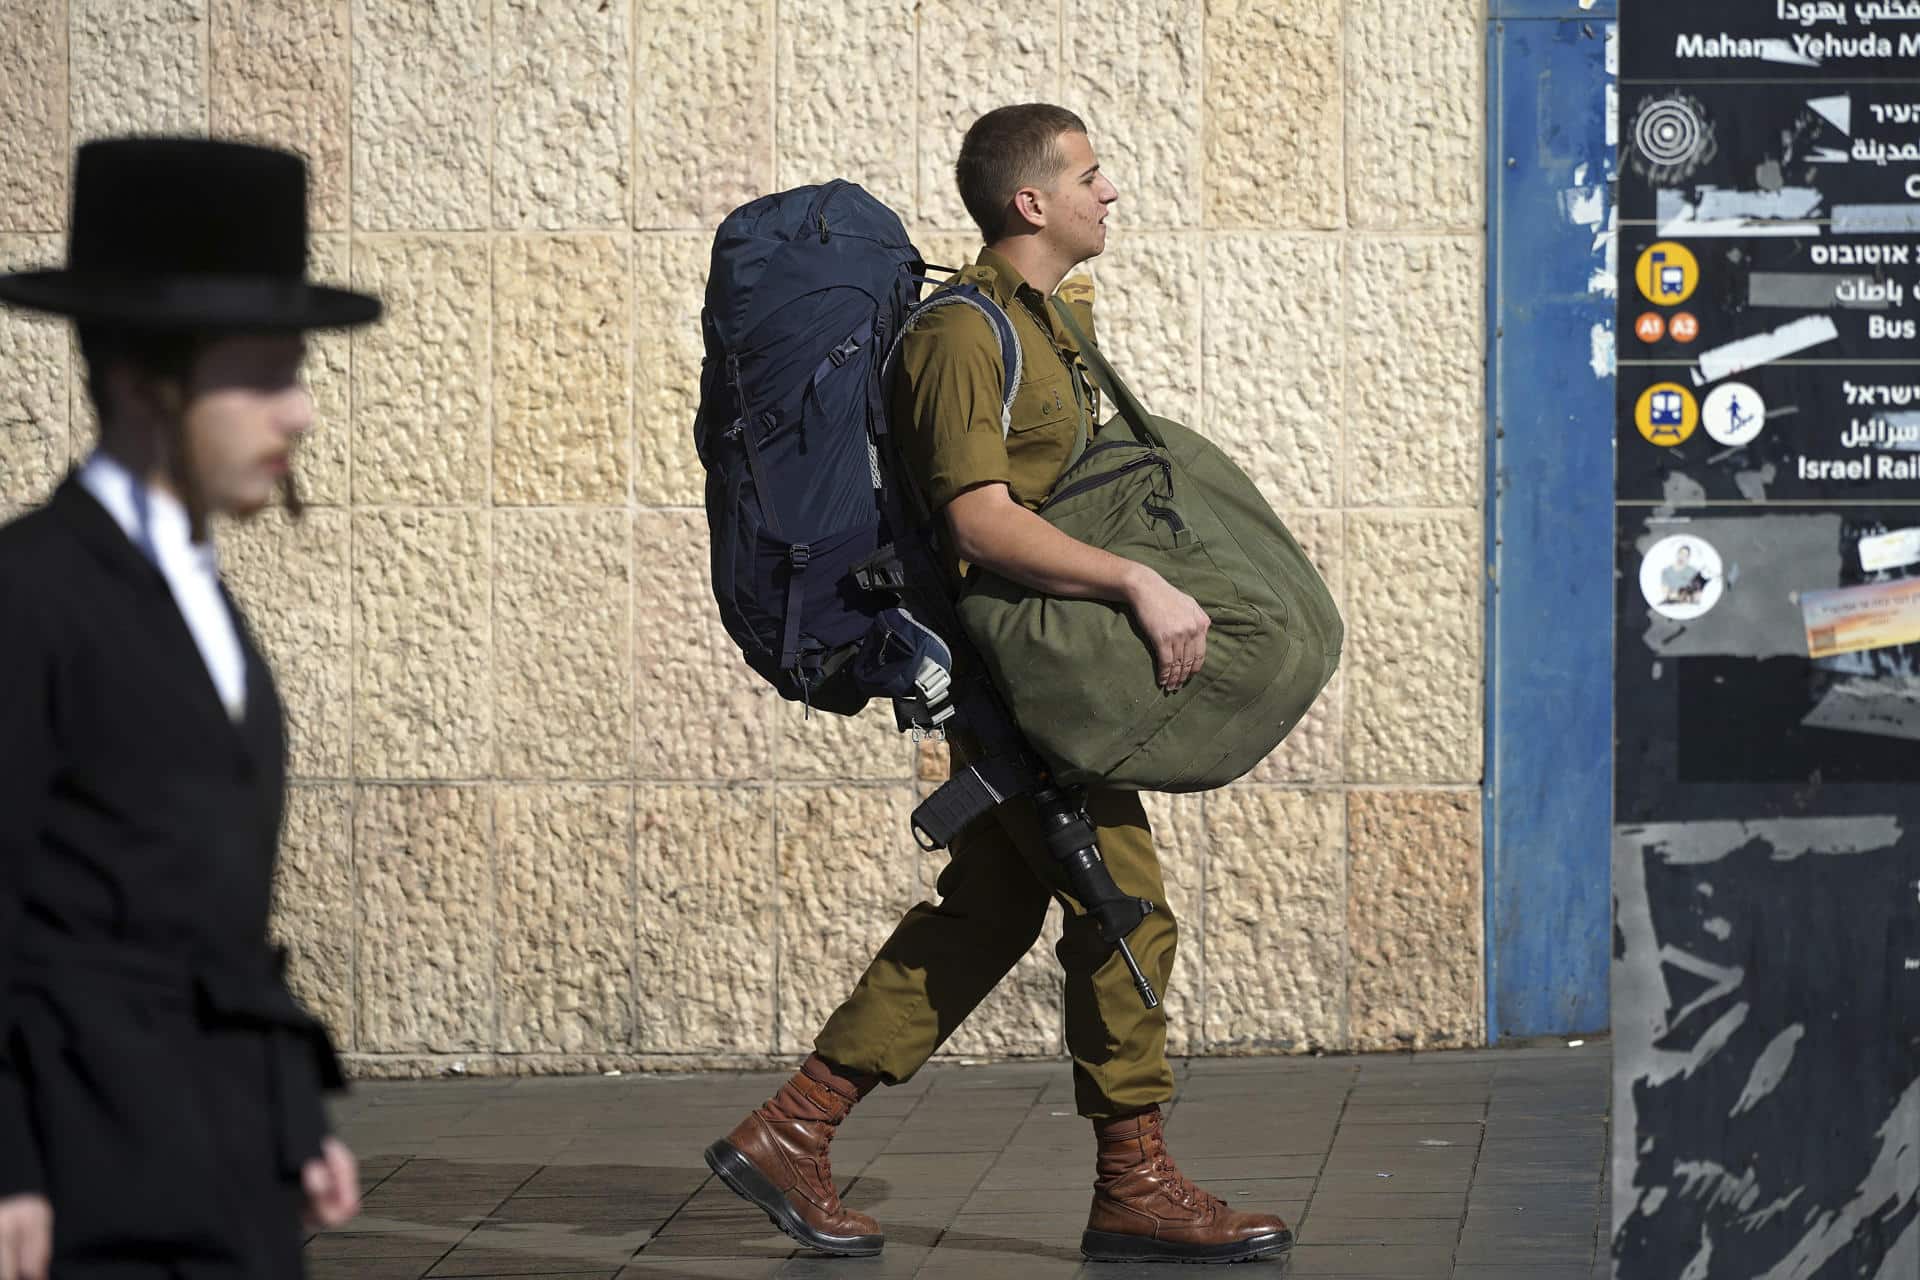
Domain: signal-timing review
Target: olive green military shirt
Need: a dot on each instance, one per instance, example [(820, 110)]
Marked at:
[(946, 394)]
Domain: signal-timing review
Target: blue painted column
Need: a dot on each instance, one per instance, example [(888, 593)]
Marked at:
[(1550, 518)]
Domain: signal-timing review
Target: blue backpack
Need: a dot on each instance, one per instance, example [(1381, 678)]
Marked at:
[(808, 292)]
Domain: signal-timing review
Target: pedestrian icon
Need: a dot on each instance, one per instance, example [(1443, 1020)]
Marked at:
[(1666, 414), (1733, 413), (1667, 274)]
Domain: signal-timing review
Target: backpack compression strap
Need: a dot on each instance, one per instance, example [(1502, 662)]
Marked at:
[(970, 295)]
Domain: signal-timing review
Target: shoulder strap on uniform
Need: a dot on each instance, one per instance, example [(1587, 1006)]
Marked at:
[(1108, 377), (970, 295)]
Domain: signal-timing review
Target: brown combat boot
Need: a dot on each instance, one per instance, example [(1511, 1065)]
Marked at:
[(777, 1158), (1145, 1210)]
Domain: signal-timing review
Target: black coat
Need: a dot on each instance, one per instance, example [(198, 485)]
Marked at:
[(157, 1081)]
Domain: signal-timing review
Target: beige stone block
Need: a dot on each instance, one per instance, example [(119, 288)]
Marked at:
[(1276, 920), (325, 469), (1147, 318), (562, 131), (975, 56), (83, 421), (701, 713), (1180, 841), (33, 116), (1133, 70), (137, 66), (1273, 114), (313, 904), (1272, 361), (946, 248), (933, 760), (566, 917), (34, 351), (1413, 653), (422, 645), (425, 959), (846, 859), (421, 377), (703, 111), (1414, 920), (1415, 114), (563, 637), (669, 287), (1415, 375), (294, 582), (832, 122), (824, 747), (560, 383), (1311, 753), (707, 887), (280, 75), (422, 110)]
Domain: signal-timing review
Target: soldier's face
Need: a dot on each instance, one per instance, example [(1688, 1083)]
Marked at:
[(1081, 199), (245, 412)]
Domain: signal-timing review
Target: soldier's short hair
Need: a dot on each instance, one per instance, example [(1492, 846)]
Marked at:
[(1007, 149)]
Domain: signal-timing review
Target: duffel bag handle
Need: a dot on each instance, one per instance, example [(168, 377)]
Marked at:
[(1117, 391)]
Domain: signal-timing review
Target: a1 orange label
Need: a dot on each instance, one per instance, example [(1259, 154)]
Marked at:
[(1650, 327)]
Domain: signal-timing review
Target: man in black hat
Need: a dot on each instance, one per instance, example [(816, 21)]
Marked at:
[(160, 1089)]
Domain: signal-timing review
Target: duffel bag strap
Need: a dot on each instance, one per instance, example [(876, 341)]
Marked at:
[(1115, 390)]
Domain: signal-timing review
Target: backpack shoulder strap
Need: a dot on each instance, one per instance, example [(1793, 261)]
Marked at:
[(1002, 326)]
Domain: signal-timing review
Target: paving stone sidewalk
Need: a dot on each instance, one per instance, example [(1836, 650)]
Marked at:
[(1486, 1164)]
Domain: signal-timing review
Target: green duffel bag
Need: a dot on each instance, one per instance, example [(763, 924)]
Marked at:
[(1078, 674)]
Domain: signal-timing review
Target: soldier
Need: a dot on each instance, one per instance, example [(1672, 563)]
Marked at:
[(1030, 180), (160, 1089)]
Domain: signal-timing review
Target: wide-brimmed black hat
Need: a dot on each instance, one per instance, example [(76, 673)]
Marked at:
[(186, 233)]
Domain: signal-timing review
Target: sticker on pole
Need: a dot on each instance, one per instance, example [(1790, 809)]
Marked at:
[(1733, 414), (1666, 414), (1681, 577), (1882, 551), (1877, 615)]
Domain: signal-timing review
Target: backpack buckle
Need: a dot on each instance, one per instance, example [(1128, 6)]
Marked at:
[(798, 555)]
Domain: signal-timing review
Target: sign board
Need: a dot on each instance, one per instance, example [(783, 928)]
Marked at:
[(1766, 866)]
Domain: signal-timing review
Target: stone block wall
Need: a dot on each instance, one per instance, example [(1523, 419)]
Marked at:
[(543, 818)]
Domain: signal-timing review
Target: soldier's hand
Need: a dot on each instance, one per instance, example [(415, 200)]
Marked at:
[(26, 1237), (1175, 625), (332, 1184)]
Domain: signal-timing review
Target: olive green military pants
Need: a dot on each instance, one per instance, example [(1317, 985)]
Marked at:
[(943, 959)]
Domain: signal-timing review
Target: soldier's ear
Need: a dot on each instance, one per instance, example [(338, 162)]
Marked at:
[(1029, 205)]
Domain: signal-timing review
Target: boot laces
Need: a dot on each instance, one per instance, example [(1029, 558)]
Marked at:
[(1176, 1183)]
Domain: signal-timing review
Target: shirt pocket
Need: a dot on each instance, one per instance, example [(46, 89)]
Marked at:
[(1040, 434), (1044, 399)]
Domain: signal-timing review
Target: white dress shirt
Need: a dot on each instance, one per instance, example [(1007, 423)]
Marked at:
[(157, 524)]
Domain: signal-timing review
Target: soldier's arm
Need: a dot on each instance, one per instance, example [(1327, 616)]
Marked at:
[(990, 529), (953, 387)]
